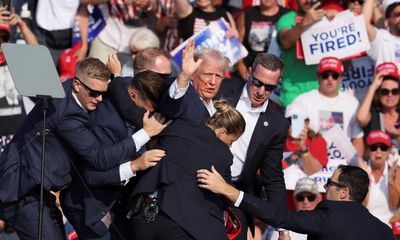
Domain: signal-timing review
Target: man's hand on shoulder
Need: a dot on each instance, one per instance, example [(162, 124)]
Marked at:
[(155, 124)]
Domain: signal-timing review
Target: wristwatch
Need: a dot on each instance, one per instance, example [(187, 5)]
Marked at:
[(305, 151)]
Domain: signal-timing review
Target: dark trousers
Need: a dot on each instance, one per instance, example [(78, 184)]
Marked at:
[(23, 216), (162, 228)]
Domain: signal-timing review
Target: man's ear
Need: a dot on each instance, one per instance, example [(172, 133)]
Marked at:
[(248, 73), (75, 85), (132, 93), (344, 193)]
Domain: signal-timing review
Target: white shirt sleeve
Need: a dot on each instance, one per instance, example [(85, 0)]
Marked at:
[(125, 171), (239, 200), (175, 92), (140, 138)]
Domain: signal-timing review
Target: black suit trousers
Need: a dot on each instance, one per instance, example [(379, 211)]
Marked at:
[(163, 228)]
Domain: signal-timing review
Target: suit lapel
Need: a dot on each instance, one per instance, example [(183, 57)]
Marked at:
[(260, 132)]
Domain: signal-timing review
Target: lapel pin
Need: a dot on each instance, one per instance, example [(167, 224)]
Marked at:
[(266, 124)]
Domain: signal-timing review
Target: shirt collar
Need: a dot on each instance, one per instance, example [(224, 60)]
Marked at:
[(78, 102), (246, 99)]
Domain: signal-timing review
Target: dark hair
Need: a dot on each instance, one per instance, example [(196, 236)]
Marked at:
[(149, 86), (227, 117), (93, 68), (269, 61), (356, 179), (147, 57), (390, 9), (376, 100)]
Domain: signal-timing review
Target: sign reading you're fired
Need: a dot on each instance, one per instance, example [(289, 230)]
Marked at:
[(344, 36)]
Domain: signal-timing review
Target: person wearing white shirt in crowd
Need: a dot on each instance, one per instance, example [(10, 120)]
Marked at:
[(378, 149), (385, 44), (327, 107)]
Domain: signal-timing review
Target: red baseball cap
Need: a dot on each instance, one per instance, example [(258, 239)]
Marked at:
[(377, 136), (388, 69), (5, 27), (330, 64), (67, 62)]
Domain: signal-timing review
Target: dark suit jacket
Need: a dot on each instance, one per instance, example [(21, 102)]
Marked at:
[(331, 220), (189, 147), (189, 107), (67, 135), (105, 186), (265, 148), (123, 103)]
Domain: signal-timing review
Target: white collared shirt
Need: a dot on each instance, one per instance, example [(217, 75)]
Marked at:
[(140, 138), (378, 200), (239, 148)]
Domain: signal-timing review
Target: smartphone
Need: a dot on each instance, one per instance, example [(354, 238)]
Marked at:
[(297, 124)]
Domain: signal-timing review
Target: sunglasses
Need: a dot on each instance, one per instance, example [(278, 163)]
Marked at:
[(165, 76), (375, 147), (395, 15), (385, 91), (334, 75), (330, 182), (361, 2), (92, 93), (310, 198), (258, 83)]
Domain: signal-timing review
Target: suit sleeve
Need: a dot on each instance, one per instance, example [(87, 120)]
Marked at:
[(95, 177), (271, 169), (307, 222), (73, 129), (123, 102), (172, 108)]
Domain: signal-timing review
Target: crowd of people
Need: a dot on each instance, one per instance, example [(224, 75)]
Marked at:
[(142, 149)]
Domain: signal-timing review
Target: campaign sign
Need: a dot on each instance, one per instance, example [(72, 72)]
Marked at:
[(344, 36), (340, 151), (358, 77), (213, 36), (293, 173), (96, 24)]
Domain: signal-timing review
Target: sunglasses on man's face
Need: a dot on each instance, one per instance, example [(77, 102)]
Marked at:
[(385, 91), (92, 93), (395, 15), (330, 182), (165, 76), (256, 82), (301, 198), (375, 147), (334, 75)]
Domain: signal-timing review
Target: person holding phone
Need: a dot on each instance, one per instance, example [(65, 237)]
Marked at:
[(306, 145), (381, 105)]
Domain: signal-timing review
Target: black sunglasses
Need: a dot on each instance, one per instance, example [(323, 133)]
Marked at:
[(165, 76), (333, 183), (325, 75), (92, 93), (361, 2), (258, 83), (310, 198), (385, 91), (395, 15), (375, 147)]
